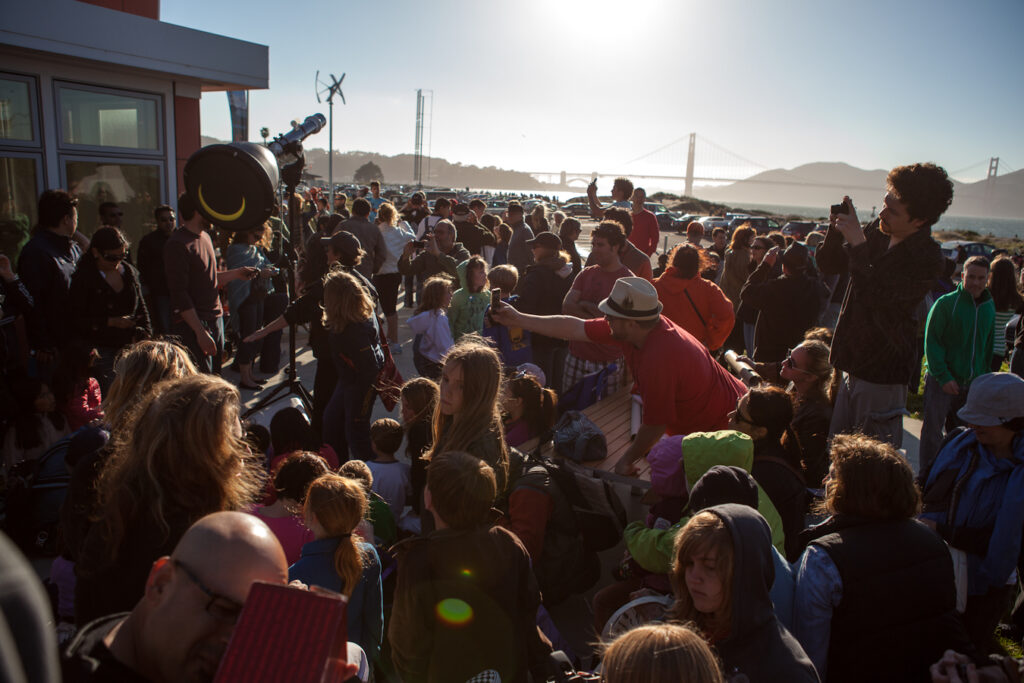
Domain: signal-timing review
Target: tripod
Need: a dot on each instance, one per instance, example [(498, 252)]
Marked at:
[(290, 385)]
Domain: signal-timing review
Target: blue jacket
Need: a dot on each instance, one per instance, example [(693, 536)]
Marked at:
[(365, 606), (989, 514)]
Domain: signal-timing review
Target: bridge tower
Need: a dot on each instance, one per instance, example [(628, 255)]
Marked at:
[(561, 180), (688, 191), (417, 155), (993, 168)]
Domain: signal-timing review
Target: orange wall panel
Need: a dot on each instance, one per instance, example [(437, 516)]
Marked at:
[(186, 133)]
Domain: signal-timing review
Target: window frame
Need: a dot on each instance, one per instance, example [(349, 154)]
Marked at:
[(107, 151), (34, 111)]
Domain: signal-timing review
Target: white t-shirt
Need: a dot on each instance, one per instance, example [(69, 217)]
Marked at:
[(391, 482)]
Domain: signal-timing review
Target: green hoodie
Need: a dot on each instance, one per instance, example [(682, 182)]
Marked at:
[(958, 336), (652, 548)]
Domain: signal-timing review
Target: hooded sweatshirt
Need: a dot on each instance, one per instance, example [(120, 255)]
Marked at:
[(677, 462), (757, 645), (541, 291), (697, 305), (958, 336), (466, 311)]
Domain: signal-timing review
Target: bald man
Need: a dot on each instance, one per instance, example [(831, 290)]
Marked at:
[(181, 626)]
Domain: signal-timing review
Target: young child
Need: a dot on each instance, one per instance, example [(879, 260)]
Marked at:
[(482, 573), (77, 392), (530, 409), (291, 481), (513, 343), (337, 561), (378, 525), (419, 398), (433, 331), (390, 477), (470, 302), (36, 426)]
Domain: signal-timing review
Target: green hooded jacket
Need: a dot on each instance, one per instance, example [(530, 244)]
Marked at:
[(652, 548)]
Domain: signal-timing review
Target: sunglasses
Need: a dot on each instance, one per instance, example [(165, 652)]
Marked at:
[(788, 361), (114, 258)]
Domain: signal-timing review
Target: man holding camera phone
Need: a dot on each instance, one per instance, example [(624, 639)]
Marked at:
[(892, 263)]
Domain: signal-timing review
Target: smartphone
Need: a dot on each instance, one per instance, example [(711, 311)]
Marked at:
[(841, 208), (496, 297), (419, 244)]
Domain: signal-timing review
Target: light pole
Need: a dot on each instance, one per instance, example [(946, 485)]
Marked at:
[(264, 133)]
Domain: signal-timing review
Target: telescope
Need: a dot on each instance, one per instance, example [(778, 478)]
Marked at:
[(747, 374), (234, 185)]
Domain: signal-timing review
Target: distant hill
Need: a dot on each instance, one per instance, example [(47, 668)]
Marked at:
[(398, 169), (825, 183)]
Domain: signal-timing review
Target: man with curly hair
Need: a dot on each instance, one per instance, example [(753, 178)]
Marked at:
[(892, 264)]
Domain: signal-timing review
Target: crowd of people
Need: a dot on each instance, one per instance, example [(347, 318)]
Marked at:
[(788, 537)]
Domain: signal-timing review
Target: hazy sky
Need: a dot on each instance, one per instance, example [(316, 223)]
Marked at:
[(583, 85)]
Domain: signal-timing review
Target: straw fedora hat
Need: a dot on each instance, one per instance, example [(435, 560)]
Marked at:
[(632, 298)]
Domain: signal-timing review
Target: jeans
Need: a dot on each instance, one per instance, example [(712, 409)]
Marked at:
[(160, 313), (250, 319), (270, 351), (204, 363), (347, 420), (938, 408), (324, 383)]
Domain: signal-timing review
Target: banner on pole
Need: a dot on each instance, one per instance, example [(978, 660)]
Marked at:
[(238, 103)]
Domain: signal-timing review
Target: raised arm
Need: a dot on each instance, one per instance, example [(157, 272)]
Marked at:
[(558, 326)]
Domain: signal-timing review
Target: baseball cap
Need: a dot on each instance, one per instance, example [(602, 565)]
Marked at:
[(343, 242), (993, 399), (548, 240)]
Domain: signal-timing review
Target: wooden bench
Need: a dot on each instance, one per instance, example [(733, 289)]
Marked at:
[(613, 416)]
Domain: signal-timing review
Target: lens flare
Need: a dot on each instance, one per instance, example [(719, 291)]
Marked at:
[(454, 612), (468, 573)]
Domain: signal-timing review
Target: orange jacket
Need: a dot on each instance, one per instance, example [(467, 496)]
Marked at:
[(714, 307)]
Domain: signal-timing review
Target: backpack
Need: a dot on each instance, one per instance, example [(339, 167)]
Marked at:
[(600, 516), (587, 391), (35, 492), (577, 437)]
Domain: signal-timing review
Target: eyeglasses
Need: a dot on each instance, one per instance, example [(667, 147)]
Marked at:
[(218, 606), (788, 361)]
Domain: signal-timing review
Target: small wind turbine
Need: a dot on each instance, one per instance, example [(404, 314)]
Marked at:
[(328, 91)]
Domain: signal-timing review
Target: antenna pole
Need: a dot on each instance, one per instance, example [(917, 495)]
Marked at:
[(330, 152)]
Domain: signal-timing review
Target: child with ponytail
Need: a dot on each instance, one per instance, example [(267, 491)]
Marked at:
[(338, 561), (530, 410)]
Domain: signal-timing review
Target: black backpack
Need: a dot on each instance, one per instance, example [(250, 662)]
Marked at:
[(35, 493)]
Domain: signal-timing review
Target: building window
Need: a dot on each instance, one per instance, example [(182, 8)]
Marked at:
[(20, 177), (18, 120), (132, 185), (108, 120)]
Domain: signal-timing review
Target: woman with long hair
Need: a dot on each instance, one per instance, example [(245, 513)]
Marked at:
[(810, 375), (419, 400), (338, 561), (246, 297), (180, 457), (388, 279), (873, 579), (569, 231), (530, 409), (37, 425), (538, 219), (106, 301), (721, 575), (468, 413), (1002, 283), (660, 653), (358, 357), (737, 264), (764, 414), (697, 305)]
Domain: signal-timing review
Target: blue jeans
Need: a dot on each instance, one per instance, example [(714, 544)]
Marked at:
[(347, 420), (250, 319), (207, 364), (270, 352), (938, 408)]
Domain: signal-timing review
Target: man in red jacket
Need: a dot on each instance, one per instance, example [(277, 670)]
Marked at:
[(645, 224)]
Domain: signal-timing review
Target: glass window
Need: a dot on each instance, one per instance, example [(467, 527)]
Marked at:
[(99, 118), (135, 187), (19, 192), (17, 122)]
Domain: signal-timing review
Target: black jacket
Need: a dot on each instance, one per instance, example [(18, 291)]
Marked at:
[(45, 266), (541, 291), (87, 658), (93, 301), (757, 646), (876, 337), (787, 307), (898, 611), (473, 237), (785, 486)]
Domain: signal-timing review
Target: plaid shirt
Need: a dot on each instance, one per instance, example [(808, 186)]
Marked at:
[(876, 335)]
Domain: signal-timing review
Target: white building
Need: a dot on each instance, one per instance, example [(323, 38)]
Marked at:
[(102, 98)]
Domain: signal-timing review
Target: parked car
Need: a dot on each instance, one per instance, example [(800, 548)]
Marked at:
[(799, 229), (666, 219), (760, 224), (576, 209), (970, 248), (712, 222)]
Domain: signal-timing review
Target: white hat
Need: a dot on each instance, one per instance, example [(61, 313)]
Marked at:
[(632, 298), (993, 399)]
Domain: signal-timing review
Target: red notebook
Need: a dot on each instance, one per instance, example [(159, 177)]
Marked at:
[(287, 634)]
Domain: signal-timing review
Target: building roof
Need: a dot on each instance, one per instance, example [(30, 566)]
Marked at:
[(84, 31)]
